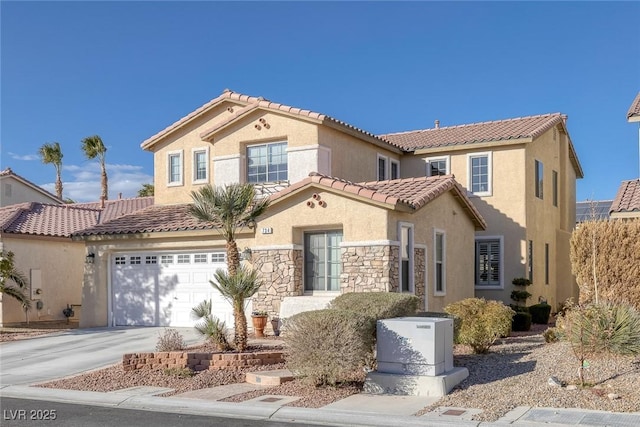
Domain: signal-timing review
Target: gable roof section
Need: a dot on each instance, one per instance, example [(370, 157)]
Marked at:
[(633, 115), (628, 197), (527, 128), (41, 219), (411, 193), (8, 172), (153, 219)]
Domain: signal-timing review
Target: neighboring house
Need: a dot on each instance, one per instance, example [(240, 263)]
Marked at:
[(39, 235), (633, 115), (627, 201), (591, 210), (351, 211), (16, 189)]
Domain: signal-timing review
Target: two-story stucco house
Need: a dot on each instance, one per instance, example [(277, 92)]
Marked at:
[(441, 213)]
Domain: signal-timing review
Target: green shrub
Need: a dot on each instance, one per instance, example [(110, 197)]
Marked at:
[(325, 347), (519, 308), (210, 327), (481, 322), (551, 335), (521, 321), (179, 372), (170, 340), (540, 313), (377, 305)]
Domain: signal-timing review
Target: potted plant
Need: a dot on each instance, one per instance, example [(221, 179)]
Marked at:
[(259, 319)]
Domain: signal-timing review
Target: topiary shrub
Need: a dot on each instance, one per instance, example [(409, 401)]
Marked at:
[(377, 305), (540, 313), (325, 347), (481, 322), (521, 321)]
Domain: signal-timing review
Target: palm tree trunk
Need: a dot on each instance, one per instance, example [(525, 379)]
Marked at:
[(240, 326), (58, 183), (103, 182), (233, 257)]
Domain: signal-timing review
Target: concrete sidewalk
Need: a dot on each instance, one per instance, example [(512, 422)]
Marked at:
[(360, 411)]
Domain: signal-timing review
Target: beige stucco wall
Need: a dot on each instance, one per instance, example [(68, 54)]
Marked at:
[(13, 191), (60, 262), (96, 286)]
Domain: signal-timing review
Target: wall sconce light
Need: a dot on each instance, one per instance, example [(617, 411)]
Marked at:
[(90, 258), (245, 255)]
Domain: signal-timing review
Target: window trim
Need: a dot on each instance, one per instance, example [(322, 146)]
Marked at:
[(386, 167), (428, 160), (501, 263), (180, 155), (246, 159), (470, 157), (436, 292), (411, 253), (547, 267), (306, 291), (194, 175), (391, 163), (539, 179)]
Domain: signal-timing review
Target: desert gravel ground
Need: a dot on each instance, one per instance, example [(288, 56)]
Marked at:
[(514, 373)]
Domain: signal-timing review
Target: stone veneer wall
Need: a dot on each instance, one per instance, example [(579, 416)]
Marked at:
[(419, 280), (369, 268), (198, 361), (281, 274)]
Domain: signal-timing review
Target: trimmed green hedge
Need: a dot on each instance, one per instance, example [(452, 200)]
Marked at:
[(521, 322), (377, 305), (540, 313)]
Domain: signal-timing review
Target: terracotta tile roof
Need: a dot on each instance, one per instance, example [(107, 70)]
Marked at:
[(411, 192), (157, 218), (63, 220), (628, 197), (499, 130), (634, 110), (9, 172)]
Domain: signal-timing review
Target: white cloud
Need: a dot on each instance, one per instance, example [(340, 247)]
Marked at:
[(28, 157), (82, 183)]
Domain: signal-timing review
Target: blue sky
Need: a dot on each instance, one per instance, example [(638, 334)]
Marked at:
[(125, 70)]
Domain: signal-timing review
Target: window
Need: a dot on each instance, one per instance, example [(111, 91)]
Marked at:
[(555, 188), (200, 164), (406, 257), (437, 166), (395, 169), (539, 179), (382, 168), (530, 260), (184, 259), (121, 260), (174, 166), (488, 269), (439, 258), (134, 260), (217, 257), (166, 259), (151, 259), (200, 259), (322, 261), (479, 180), (267, 162), (546, 263)]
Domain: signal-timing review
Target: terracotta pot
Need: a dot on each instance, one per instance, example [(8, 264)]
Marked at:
[(259, 322)]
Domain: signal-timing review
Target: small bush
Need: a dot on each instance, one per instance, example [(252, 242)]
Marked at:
[(540, 313), (519, 308), (521, 321), (327, 346), (482, 322), (170, 340), (377, 305), (179, 372), (215, 332), (551, 335)]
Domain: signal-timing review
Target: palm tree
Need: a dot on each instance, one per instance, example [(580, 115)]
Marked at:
[(8, 273), (51, 153), (146, 190), (93, 147), (228, 208), (236, 288)]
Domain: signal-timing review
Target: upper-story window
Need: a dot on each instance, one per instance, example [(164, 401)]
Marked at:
[(174, 168), (437, 166), (554, 176), (382, 168), (267, 162), (480, 174), (200, 165), (539, 179), (394, 169), (387, 168)]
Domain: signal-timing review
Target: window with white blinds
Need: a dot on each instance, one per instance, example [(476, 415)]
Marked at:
[(488, 262)]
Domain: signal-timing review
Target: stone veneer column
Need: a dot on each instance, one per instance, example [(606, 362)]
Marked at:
[(281, 275), (419, 281), (369, 268)]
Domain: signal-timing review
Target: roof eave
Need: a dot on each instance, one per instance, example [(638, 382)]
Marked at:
[(391, 206), (634, 118), (472, 145), (362, 135)]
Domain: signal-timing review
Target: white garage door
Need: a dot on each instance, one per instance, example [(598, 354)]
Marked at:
[(161, 288)]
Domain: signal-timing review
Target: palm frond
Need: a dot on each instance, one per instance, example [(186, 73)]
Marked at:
[(201, 310)]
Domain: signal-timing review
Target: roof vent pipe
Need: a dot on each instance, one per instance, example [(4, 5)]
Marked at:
[(437, 124)]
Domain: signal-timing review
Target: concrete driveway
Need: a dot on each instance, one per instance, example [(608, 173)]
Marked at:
[(64, 354)]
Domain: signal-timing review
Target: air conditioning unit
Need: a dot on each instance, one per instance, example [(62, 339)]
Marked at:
[(415, 345)]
